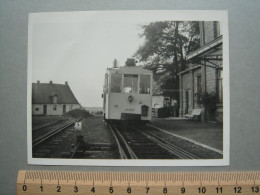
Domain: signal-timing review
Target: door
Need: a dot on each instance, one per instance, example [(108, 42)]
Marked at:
[(187, 101), (64, 109), (45, 109)]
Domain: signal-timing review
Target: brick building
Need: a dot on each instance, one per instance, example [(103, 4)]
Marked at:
[(52, 99), (203, 78)]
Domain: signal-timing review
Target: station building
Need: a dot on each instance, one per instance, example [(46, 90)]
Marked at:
[(52, 99), (160, 101), (203, 78)]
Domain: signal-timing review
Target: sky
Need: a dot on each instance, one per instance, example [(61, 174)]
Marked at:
[(78, 47), (80, 52)]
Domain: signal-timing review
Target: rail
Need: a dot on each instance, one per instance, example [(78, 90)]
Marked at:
[(48, 135), (125, 150), (179, 152)]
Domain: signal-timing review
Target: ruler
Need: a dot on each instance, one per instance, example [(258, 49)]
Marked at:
[(137, 183)]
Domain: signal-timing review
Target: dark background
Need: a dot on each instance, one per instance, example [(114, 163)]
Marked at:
[(244, 38)]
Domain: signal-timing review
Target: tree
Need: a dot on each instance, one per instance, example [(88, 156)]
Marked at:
[(163, 51)]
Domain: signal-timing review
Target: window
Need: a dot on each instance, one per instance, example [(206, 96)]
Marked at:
[(130, 83), (217, 29), (116, 82), (220, 86), (55, 107), (199, 85), (197, 98), (145, 84), (166, 102)]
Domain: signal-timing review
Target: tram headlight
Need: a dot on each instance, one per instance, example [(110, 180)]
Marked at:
[(130, 98)]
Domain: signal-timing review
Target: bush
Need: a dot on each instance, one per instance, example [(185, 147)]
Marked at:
[(209, 101), (77, 113)]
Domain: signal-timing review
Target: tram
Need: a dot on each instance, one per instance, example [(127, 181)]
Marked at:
[(127, 94)]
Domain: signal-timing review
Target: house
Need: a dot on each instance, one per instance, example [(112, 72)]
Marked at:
[(163, 106), (52, 99), (201, 82), (160, 101)]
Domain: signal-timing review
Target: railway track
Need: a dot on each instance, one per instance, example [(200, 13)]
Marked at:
[(125, 151), (172, 148), (137, 143), (37, 141)]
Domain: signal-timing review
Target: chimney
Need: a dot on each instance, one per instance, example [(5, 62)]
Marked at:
[(66, 82), (38, 82), (50, 82), (115, 63)]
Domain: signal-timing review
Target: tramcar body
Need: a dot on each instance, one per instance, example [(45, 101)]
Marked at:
[(127, 94)]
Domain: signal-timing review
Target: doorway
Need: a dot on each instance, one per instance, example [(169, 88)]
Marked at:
[(64, 109), (187, 101), (45, 109)]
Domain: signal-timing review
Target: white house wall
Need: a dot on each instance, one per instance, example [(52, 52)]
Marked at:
[(157, 101), (50, 111)]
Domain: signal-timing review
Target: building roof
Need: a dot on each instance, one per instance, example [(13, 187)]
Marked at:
[(43, 93), (205, 48)]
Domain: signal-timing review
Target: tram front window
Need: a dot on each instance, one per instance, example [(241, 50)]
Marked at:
[(145, 84), (116, 82), (130, 83)]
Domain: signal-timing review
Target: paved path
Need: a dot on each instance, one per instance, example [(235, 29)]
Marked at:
[(205, 133)]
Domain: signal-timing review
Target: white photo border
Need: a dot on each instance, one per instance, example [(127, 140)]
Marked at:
[(162, 15)]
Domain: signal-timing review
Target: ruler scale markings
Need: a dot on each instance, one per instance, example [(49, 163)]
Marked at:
[(35, 175), (71, 176), (29, 175), (235, 182), (52, 175), (105, 177), (82, 177), (48, 175), (68, 176), (32, 176), (64, 176), (56, 176)]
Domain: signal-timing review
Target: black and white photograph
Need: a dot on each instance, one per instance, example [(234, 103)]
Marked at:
[(128, 88)]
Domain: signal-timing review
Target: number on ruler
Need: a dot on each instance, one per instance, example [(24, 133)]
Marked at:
[(238, 189), (165, 190), (202, 190), (182, 190), (58, 188), (24, 187), (111, 190), (93, 189), (147, 190), (129, 190), (255, 189), (219, 190)]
